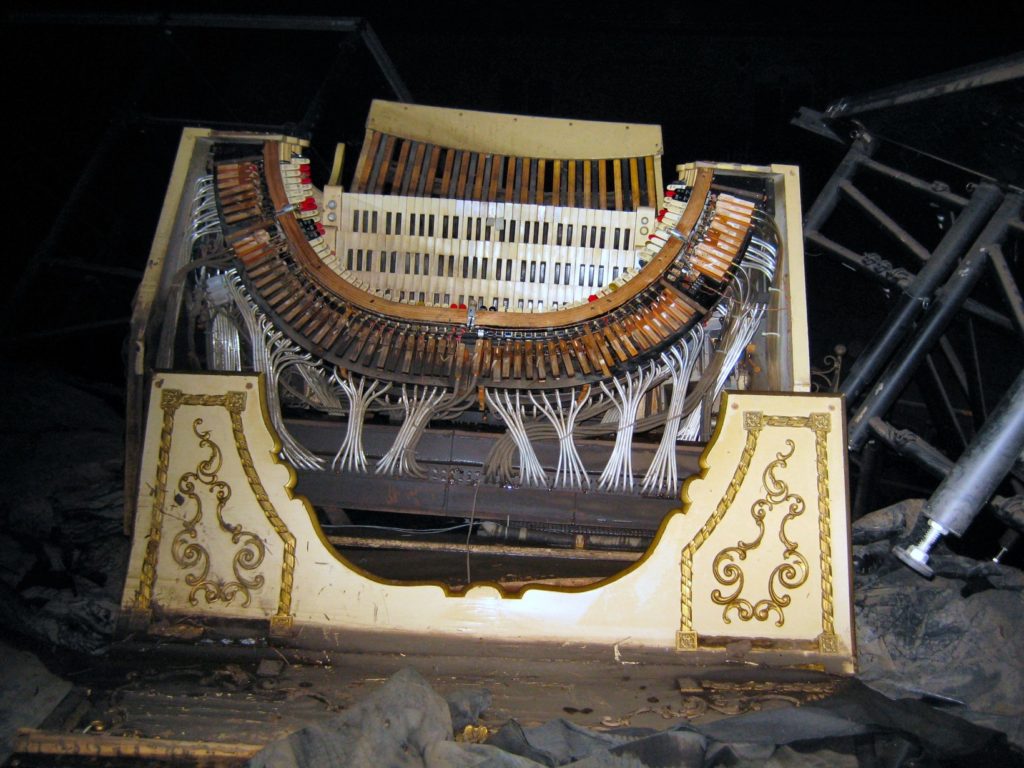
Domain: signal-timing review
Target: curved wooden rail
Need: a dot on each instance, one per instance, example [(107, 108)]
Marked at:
[(355, 330)]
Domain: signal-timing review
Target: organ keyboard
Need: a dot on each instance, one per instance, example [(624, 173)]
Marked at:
[(537, 272)]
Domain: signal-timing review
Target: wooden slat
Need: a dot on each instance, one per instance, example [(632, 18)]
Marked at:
[(602, 185), (634, 184), (588, 177), (492, 185), (579, 352), (460, 187), (105, 746), (377, 182), (478, 178), (571, 191), (446, 175), (435, 156), (622, 333), (540, 181), (556, 183), (653, 198), (417, 169), (510, 175), (369, 151), (617, 176), (399, 183)]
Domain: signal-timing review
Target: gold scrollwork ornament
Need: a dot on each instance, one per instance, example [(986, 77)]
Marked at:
[(790, 574), (191, 555)]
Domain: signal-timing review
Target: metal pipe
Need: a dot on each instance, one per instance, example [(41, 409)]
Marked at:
[(387, 67), (870, 265), (866, 480), (918, 291), (972, 480), (928, 457), (899, 372), (937, 190), (884, 273), (1010, 290), (945, 401), (884, 220), (862, 147), (986, 313), (975, 76), (913, 446)]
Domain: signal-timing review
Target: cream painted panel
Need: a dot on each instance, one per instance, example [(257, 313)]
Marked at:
[(781, 455)]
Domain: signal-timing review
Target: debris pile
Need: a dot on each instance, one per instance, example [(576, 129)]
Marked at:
[(62, 549)]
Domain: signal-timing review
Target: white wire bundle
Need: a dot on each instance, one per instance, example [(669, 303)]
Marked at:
[(350, 456), (319, 393), (618, 472), (418, 406), (222, 344), (761, 255), (570, 472), (272, 353), (741, 327), (204, 218), (663, 474), (531, 473)]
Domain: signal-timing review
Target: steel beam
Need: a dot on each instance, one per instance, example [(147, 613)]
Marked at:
[(918, 292), (884, 220), (1009, 287), (950, 300), (870, 265), (273, 23), (937, 190), (862, 147), (964, 79), (913, 446)]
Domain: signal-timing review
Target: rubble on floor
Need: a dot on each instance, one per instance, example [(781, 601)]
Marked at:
[(953, 640), (63, 552), (28, 693), (405, 723)]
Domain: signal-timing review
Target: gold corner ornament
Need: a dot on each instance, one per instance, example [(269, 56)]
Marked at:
[(795, 569), (190, 554)]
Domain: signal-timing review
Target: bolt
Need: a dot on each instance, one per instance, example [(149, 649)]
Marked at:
[(916, 555)]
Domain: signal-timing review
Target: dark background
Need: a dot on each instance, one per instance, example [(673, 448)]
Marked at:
[(97, 98)]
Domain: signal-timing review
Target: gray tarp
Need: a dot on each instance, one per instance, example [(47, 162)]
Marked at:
[(405, 723)]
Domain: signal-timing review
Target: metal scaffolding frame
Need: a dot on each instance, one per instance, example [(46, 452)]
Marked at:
[(928, 297)]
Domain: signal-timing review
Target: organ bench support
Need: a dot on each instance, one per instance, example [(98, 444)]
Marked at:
[(531, 284)]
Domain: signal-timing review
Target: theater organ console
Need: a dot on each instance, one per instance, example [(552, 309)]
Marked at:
[(506, 317)]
